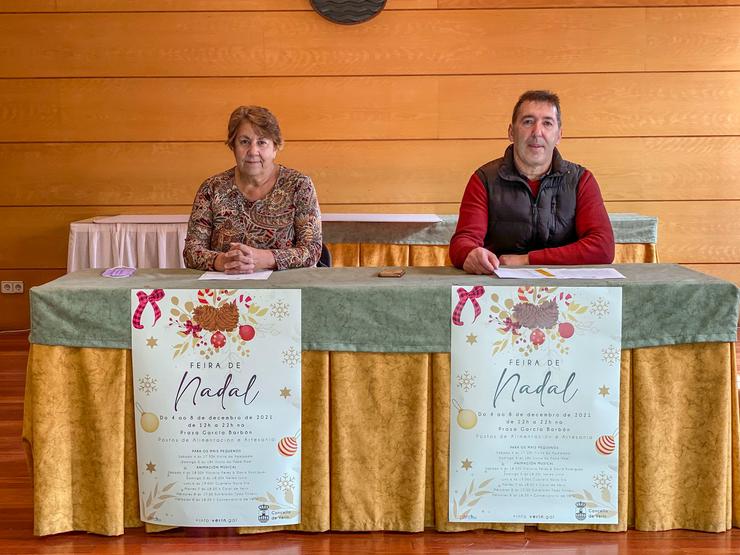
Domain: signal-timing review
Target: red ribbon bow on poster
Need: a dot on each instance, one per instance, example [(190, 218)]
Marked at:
[(144, 299), (472, 295), (195, 329)]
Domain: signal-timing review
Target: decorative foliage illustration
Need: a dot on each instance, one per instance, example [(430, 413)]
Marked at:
[(536, 316), (219, 320), (461, 506), (155, 500)]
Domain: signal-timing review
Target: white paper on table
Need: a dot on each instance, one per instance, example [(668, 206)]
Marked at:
[(264, 274), (559, 273), (380, 218)]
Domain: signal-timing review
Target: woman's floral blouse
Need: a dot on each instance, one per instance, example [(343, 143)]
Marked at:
[(287, 221)]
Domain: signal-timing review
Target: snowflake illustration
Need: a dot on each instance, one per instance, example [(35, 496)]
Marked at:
[(466, 381), (291, 357), (610, 355), (600, 307), (147, 384), (602, 481), (285, 482), (280, 310)]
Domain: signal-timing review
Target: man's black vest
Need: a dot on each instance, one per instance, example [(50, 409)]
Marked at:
[(519, 222)]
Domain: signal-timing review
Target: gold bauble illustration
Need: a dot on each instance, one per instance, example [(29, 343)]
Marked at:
[(466, 419), (149, 422)]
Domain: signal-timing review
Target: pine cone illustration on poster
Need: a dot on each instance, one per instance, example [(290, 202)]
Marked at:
[(532, 316), (224, 318), (227, 317)]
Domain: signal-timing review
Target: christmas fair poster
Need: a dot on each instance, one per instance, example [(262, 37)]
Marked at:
[(534, 404), (217, 395)]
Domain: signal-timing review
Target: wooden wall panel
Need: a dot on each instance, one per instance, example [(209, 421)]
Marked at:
[(15, 308), (453, 42), (493, 4), (335, 108), (599, 105), (682, 39), (109, 173), (81, 6), (197, 109), (729, 272), (278, 43), (692, 232), (672, 168)]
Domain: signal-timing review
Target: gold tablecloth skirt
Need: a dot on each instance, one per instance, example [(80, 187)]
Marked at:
[(375, 441), (377, 254)]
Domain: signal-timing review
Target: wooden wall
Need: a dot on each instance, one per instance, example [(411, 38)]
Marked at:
[(120, 106)]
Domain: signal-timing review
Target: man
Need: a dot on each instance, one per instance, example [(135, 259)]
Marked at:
[(531, 206)]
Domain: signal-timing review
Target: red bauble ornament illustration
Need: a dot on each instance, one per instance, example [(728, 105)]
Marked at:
[(288, 446), (537, 337), (605, 444), (566, 330), (247, 332), (218, 340)]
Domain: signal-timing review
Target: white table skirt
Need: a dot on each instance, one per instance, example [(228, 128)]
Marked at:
[(140, 245)]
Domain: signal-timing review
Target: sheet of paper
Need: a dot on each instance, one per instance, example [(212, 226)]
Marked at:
[(220, 275), (392, 218), (559, 273)]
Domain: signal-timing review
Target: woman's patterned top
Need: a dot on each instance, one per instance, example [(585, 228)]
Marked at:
[(287, 221)]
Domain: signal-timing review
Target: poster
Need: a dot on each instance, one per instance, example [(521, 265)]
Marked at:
[(534, 404), (217, 395)]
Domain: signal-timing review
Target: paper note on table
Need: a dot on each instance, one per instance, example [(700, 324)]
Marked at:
[(559, 273), (220, 275)]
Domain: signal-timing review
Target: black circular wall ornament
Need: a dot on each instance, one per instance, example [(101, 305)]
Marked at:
[(348, 12)]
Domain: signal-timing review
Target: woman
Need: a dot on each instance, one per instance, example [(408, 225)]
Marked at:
[(258, 215)]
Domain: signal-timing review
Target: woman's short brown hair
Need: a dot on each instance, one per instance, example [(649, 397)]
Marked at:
[(262, 119)]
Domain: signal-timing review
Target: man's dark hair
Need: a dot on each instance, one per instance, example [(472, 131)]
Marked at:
[(537, 96)]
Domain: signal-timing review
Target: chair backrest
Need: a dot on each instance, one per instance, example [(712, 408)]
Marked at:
[(325, 258)]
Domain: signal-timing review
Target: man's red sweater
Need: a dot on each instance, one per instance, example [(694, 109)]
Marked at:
[(595, 243)]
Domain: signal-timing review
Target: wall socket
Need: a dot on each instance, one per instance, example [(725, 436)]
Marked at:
[(11, 287)]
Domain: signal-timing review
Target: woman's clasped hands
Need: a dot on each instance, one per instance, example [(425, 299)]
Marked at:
[(243, 259)]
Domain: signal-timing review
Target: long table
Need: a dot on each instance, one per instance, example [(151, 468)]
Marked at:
[(157, 241), (376, 379)]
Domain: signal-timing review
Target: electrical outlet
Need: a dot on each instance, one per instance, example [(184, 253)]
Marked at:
[(11, 287)]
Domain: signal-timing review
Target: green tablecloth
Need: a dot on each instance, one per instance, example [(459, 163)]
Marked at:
[(351, 309)]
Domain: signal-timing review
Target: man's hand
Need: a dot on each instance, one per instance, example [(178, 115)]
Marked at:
[(514, 260), (480, 261)]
